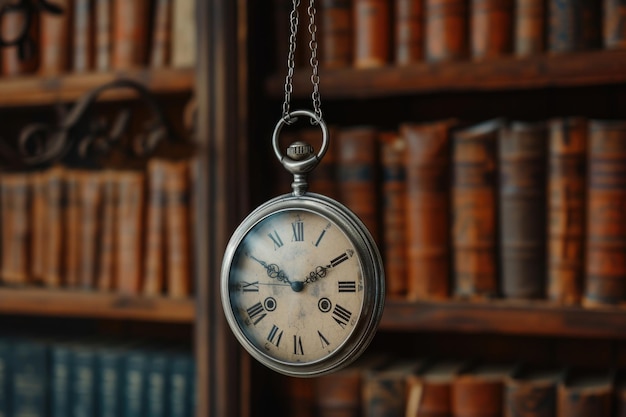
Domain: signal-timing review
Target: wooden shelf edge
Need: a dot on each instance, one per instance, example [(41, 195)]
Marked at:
[(65, 303), (540, 318), (41, 90), (541, 71)]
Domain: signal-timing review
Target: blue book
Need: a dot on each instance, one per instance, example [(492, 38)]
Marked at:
[(84, 379), (110, 363), (181, 385), (5, 377), (30, 379), (60, 388), (135, 386), (157, 385)]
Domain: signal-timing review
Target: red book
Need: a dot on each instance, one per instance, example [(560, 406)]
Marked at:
[(371, 33), (491, 28), (409, 34), (446, 30), (336, 36)]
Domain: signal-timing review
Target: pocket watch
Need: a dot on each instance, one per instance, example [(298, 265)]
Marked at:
[(302, 281)]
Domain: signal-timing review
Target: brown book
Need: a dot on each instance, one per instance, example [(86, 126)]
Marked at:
[(337, 34), (531, 391), (154, 259), (384, 390), (566, 208), (55, 40), (474, 202), (605, 272), (12, 25), (299, 397), (530, 19), (129, 230), (104, 34), (491, 28), (323, 179), (371, 33), (479, 390), (54, 179), (614, 24), (394, 210), (84, 37), (37, 226), (585, 394), (446, 30), (183, 48), (72, 232), (90, 202), (429, 391), (161, 34), (428, 209), (574, 25), (522, 165), (108, 233), (358, 174), (130, 29), (409, 31), (16, 203)]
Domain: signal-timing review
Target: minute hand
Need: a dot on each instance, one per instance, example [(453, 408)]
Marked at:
[(273, 270), (320, 271)]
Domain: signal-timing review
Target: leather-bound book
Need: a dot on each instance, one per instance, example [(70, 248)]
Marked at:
[(614, 24), (323, 179), (161, 34), (567, 176), (337, 34), (71, 235), (385, 389), (428, 209), (37, 225), (574, 25), (530, 391), (11, 26), (83, 47), (446, 30), (371, 33), (130, 29), (409, 31), (605, 258), (530, 31), (104, 34), (16, 200), (55, 226), (299, 397), (108, 231), (585, 393), (479, 390), (90, 202), (491, 28), (392, 155), (183, 49), (474, 209), (358, 177), (429, 390), (55, 40), (154, 259), (522, 165)]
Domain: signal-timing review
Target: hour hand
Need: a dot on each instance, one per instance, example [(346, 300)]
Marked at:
[(320, 271), (273, 270)]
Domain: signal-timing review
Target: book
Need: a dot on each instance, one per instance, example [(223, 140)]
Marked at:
[(181, 385), (38, 226), (299, 397), (429, 390), (128, 231), (83, 380), (479, 390), (108, 239), (16, 230), (384, 390), (54, 40), (531, 391), (357, 149), (30, 379), (491, 25), (54, 187), (157, 389), (161, 34), (530, 21), (104, 34), (130, 29), (110, 386), (614, 24), (61, 381), (183, 46), (428, 209), (474, 209), (574, 25), (19, 59), (154, 259), (6, 376), (522, 209), (394, 209), (336, 37), (90, 204), (83, 45), (446, 30), (585, 393), (408, 22), (135, 383), (322, 179), (567, 176), (605, 255), (371, 33), (72, 232)]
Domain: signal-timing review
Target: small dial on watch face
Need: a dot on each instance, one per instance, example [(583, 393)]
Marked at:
[(296, 286)]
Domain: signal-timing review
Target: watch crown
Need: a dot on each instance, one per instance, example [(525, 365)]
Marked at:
[(299, 150)]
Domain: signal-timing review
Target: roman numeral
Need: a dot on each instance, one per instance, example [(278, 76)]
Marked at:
[(319, 239), (339, 259), (297, 345), (298, 231), (347, 286), (275, 335), (256, 313), (278, 242), (250, 286), (323, 340), (341, 316)]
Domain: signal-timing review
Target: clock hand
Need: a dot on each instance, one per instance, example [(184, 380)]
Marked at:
[(273, 270), (320, 271)]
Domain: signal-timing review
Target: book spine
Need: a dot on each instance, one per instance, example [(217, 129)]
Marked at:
[(155, 225), (299, 398), (184, 33), (106, 257), (530, 17), (428, 210), (371, 33), (522, 163), (6, 377), (339, 394), (322, 179), (409, 31), (474, 205), (83, 46), (30, 376), (129, 211), (83, 382), (606, 229), (55, 225), (72, 229), (357, 174), (12, 24), (55, 41), (61, 379), (491, 28), (528, 398), (110, 383), (446, 30), (130, 28), (383, 395), (428, 398), (157, 385), (38, 226), (134, 391), (15, 252), (594, 398), (393, 150), (181, 385), (473, 397), (337, 36), (90, 196), (614, 25), (161, 34), (574, 25), (104, 32), (566, 209)]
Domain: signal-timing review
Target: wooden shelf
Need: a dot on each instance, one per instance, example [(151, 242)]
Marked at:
[(35, 90), (539, 318), (65, 303), (510, 73)]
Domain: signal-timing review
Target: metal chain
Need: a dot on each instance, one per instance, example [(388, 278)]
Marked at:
[(315, 78)]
